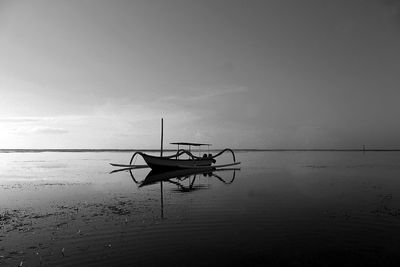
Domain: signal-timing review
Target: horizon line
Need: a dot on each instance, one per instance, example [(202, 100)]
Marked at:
[(21, 150)]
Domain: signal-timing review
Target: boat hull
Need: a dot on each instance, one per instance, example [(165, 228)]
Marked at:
[(157, 163)]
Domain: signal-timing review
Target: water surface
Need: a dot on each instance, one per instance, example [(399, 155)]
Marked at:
[(297, 208)]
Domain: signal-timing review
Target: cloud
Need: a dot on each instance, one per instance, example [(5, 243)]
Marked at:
[(40, 130), (126, 111), (23, 119), (203, 94)]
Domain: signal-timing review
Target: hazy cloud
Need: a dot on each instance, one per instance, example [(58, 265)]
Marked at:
[(40, 130), (23, 119), (203, 94)]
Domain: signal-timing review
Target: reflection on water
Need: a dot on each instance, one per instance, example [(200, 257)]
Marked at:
[(178, 178)]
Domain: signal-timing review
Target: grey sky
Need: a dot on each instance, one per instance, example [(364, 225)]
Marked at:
[(257, 74)]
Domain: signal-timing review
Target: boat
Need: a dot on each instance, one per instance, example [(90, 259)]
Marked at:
[(176, 161)]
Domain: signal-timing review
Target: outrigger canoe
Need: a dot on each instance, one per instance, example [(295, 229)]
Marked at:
[(174, 162), (171, 163)]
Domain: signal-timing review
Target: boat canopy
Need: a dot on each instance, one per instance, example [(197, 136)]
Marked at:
[(189, 144)]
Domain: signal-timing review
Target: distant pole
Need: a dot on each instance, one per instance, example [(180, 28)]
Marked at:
[(364, 148), (162, 136)]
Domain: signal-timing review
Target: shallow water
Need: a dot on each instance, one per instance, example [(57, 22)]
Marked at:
[(298, 208)]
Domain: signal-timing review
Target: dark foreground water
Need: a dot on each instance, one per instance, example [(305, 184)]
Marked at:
[(297, 208)]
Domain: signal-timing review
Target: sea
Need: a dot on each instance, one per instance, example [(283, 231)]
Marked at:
[(277, 208)]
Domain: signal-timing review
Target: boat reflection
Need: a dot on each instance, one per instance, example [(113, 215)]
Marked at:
[(178, 177), (186, 180)]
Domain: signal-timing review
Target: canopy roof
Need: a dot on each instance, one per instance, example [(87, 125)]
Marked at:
[(189, 144)]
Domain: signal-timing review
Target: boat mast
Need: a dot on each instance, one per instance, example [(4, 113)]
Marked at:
[(162, 136), (161, 183)]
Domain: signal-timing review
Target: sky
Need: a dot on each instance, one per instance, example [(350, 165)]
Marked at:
[(240, 74)]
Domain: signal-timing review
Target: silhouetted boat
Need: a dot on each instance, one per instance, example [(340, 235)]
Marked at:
[(174, 162)]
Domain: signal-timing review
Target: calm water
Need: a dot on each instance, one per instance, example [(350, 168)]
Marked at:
[(298, 208)]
